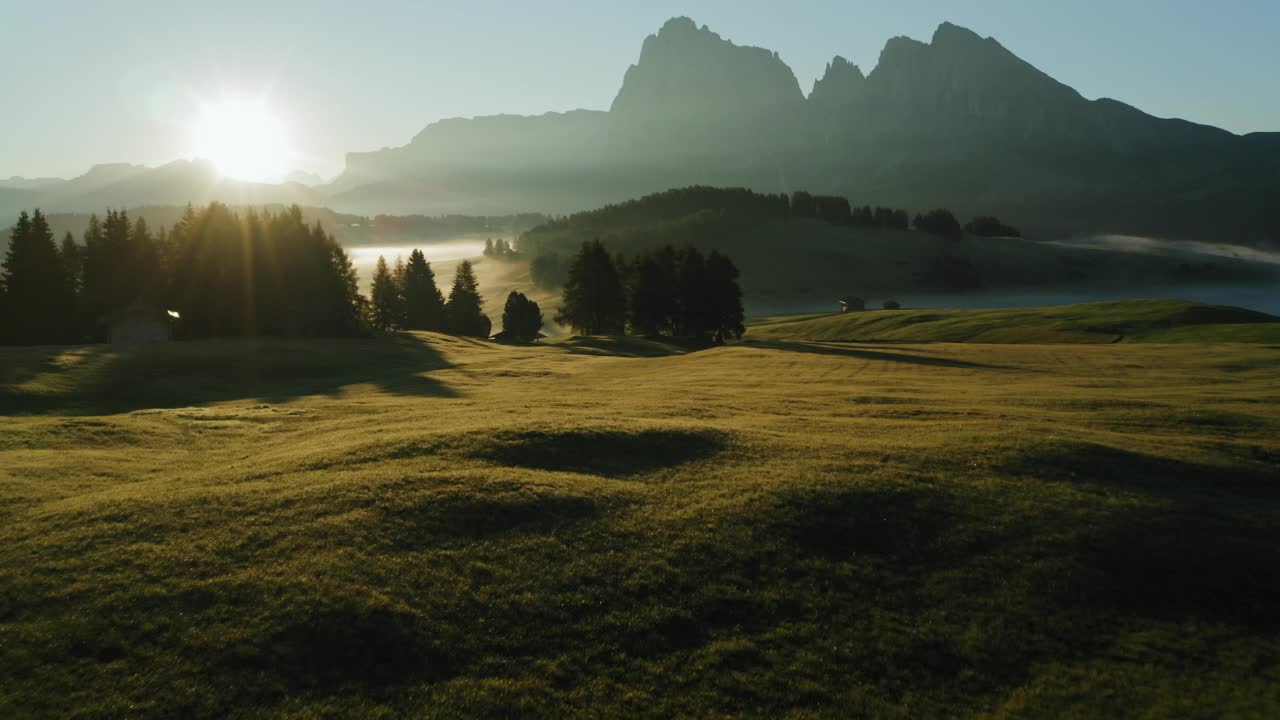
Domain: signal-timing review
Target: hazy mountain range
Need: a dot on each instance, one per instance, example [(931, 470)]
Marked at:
[(959, 122)]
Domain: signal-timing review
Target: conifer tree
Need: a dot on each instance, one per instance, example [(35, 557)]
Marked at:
[(423, 303), (39, 304), (521, 317), (385, 296), (594, 301), (464, 309), (72, 260), (726, 295), (651, 298), (697, 310)]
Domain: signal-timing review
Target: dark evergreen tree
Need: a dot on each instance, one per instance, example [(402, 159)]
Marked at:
[(521, 318), (941, 223), (803, 205), (464, 310), (696, 313), (726, 295), (39, 305), (594, 302), (986, 226), (72, 261), (651, 293), (386, 298), (423, 302)]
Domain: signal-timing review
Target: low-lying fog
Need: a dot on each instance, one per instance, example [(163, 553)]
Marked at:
[(443, 257)]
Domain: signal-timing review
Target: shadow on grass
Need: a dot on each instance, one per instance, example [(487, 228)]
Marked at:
[(626, 346), (1184, 562), (610, 453), (102, 379), (331, 649), (420, 521), (865, 354), (842, 523), (1092, 463)]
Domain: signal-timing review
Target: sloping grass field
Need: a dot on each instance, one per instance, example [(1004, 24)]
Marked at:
[(1160, 321), (427, 526)]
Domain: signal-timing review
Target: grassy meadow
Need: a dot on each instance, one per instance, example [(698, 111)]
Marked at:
[(428, 526)]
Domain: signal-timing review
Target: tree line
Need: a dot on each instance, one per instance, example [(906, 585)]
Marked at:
[(662, 292), (406, 298), (224, 273), (717, 217)]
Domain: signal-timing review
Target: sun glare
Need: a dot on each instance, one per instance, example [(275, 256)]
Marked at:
[(245, 140)]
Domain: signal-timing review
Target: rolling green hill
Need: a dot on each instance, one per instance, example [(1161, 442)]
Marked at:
[(1106, 322), (424, 526)]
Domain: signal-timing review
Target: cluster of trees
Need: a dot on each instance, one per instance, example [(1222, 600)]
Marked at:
[(499, 248), (406, 298), (37, 288), (837, 210), (939, 222), (680, 293), (987, 226), (224, 273), (521, 318)]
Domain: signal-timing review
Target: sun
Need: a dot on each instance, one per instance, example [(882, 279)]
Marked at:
[(245, 140)]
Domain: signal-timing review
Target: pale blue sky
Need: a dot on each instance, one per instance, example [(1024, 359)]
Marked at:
[(91, 81)]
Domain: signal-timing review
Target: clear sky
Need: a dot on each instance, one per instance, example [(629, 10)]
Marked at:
[(90, 81)]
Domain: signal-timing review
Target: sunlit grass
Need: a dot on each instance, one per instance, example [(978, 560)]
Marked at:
[(434, 526)]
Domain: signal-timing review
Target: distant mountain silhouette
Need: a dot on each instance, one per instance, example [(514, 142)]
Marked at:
[(957, 122), (122, 185)]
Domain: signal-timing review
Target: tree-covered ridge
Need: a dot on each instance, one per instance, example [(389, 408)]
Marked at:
[(709, 217)]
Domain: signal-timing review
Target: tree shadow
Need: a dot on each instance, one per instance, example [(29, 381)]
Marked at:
[(609, 453), (625, 346), (1084, 462), (865, 354), (1180, 563), (104, 379)]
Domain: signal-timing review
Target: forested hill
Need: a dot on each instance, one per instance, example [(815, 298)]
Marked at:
[(807, 249), (681, 216)]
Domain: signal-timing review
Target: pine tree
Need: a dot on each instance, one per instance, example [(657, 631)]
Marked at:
[(697, 309), (72, 261), (521, 318), (385, 296), (488, 247), (464, 309), (651, 297), (423, 303), (39, 304), (594, 301), (722, 285)]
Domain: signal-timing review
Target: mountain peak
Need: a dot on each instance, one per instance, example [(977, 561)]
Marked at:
[(688, 69), (680, 24), (840, 85), (950, 33)]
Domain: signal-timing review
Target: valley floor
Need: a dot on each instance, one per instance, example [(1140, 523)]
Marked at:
[(433, 526)]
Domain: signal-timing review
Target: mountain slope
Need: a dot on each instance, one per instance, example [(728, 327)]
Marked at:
[(959, 121)]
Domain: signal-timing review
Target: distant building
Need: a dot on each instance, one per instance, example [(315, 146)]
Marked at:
[(139, 323), (852, 304)]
